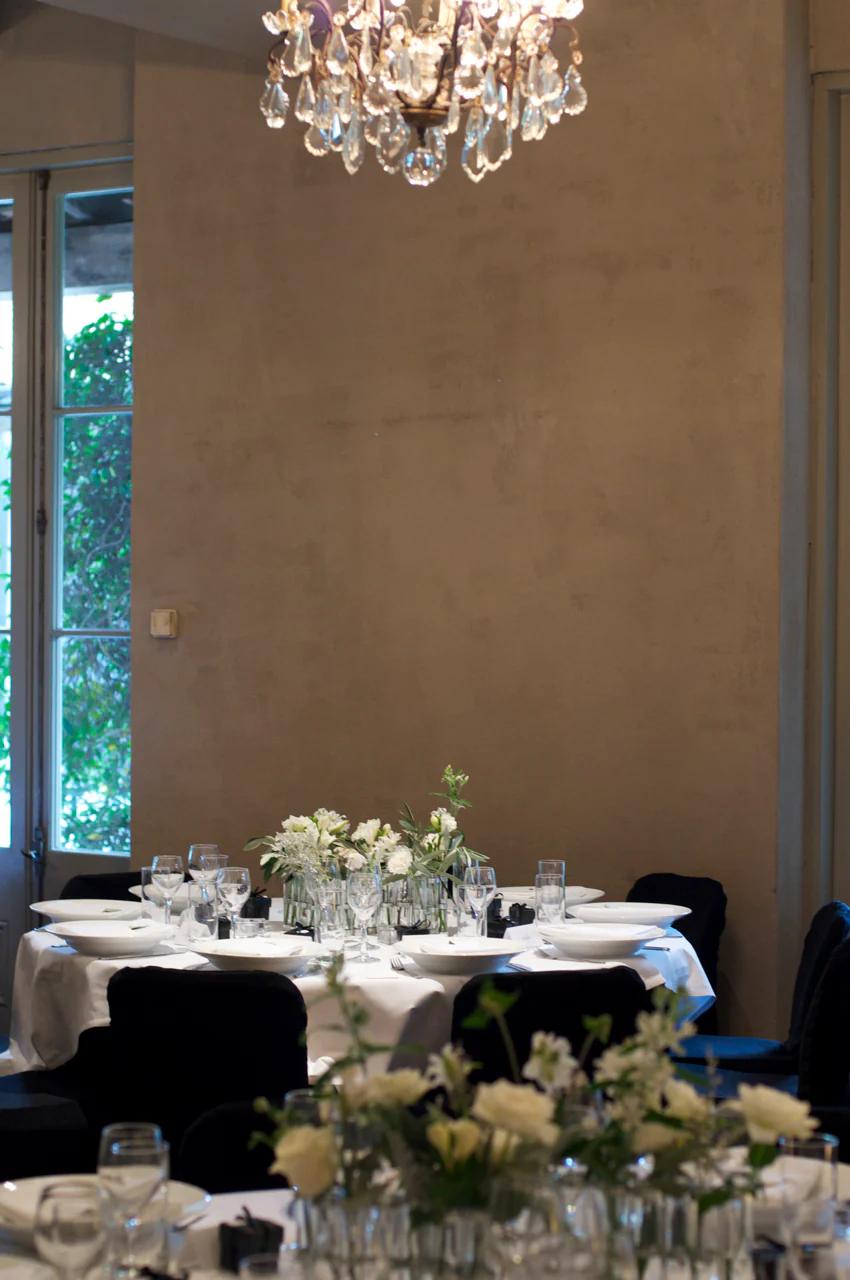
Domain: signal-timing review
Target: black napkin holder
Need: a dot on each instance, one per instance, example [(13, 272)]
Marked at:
[(257, 906), (520, 914), (245, 1237), (411, 930)]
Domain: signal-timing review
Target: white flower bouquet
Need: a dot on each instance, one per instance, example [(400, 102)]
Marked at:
[(443, 1144), (323, 844)]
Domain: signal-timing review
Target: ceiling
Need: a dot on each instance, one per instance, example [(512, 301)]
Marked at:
[(224, 24)]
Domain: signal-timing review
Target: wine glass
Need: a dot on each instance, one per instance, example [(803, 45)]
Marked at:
[(479, 886), (132, 1166), (548, 898), (205, 862), (364, 897), (68, 1230), (167, 875), (234, 886)]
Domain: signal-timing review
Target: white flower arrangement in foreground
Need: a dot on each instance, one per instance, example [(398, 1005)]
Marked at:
[(443, 1141), (323, 844)]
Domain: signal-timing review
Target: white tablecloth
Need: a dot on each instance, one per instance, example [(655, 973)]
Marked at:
[(58, 994)]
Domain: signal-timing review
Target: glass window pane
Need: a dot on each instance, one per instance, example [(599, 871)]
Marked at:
[(6, 348), (94, 521), (97, 299), (94, 744)]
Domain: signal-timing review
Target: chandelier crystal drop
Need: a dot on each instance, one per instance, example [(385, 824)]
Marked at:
[(376, 74)]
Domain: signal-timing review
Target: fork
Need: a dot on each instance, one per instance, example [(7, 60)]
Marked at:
[(397, 962)]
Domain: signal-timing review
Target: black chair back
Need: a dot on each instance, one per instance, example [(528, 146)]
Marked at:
[(188, 1041), (112, 885), (825, 1046), (703, 928), (554, 1002), (829, 928), (216, 1151)]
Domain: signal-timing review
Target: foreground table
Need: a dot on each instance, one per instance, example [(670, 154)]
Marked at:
[(58, 994)]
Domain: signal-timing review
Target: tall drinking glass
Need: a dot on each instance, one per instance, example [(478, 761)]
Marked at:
[(167, 875), (553, 867), (153, 903), (234, 888), (479, 887), (364, 898), (548, 898), (808, 1168), (68, 1229), (132, 1166)]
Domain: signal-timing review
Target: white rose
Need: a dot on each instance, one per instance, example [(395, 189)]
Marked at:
[(399, 863), (769, 1114), (297, 823), (386, 1089), (367, 831), (307, 1157), (519, 1108), (684, 1103), (653, 1136), (353, 860)]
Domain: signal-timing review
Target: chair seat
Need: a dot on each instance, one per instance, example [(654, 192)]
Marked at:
[(739, 1053), (724, 1084), (40, 1134)]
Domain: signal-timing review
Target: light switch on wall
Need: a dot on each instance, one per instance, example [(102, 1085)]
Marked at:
[(164, 623)]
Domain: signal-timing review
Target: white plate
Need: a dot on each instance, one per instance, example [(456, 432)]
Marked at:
[(19, 1201), (572, 893), (660, 913), (438, 953), (279, 953), (112, 938), (179, 902), (581, 941), (87, 909)]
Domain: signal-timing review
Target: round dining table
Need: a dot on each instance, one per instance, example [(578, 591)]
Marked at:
[(59, 993)]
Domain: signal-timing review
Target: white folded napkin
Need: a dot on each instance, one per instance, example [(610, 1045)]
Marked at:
[(545, 959)]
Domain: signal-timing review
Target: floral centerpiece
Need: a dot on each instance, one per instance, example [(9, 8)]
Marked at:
[(603, 1121), (320, 846)]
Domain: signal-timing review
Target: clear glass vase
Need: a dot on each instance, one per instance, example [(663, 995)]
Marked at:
[(297, 902)]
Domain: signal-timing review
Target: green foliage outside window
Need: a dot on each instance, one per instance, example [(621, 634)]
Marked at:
[(95, 672)]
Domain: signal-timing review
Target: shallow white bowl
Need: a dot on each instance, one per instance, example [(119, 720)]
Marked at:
[(279, 953), (87, 909), (112, 938), (19, 1201), (660, 913), (581, 941), (438, 953)]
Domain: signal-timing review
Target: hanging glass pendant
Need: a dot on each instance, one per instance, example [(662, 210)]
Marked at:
[(402, 76)]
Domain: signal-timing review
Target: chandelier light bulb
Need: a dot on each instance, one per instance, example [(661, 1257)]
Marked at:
[(373, 73)]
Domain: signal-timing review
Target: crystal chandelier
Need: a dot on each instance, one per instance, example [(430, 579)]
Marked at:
[(374, 73)]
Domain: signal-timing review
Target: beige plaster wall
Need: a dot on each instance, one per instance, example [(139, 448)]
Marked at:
[(65, 80), (830, 35), (483, 475)]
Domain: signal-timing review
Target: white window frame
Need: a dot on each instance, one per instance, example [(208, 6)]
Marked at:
[(63, 863)]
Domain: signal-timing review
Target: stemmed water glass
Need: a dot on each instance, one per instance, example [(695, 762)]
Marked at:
[(234, 887), (205, 862), (364, 897), (167, 875), (69, 1227), (479, 888), (132, 1166)]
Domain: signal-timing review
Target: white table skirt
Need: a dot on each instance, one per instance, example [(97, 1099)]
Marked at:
[(58, 994)]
